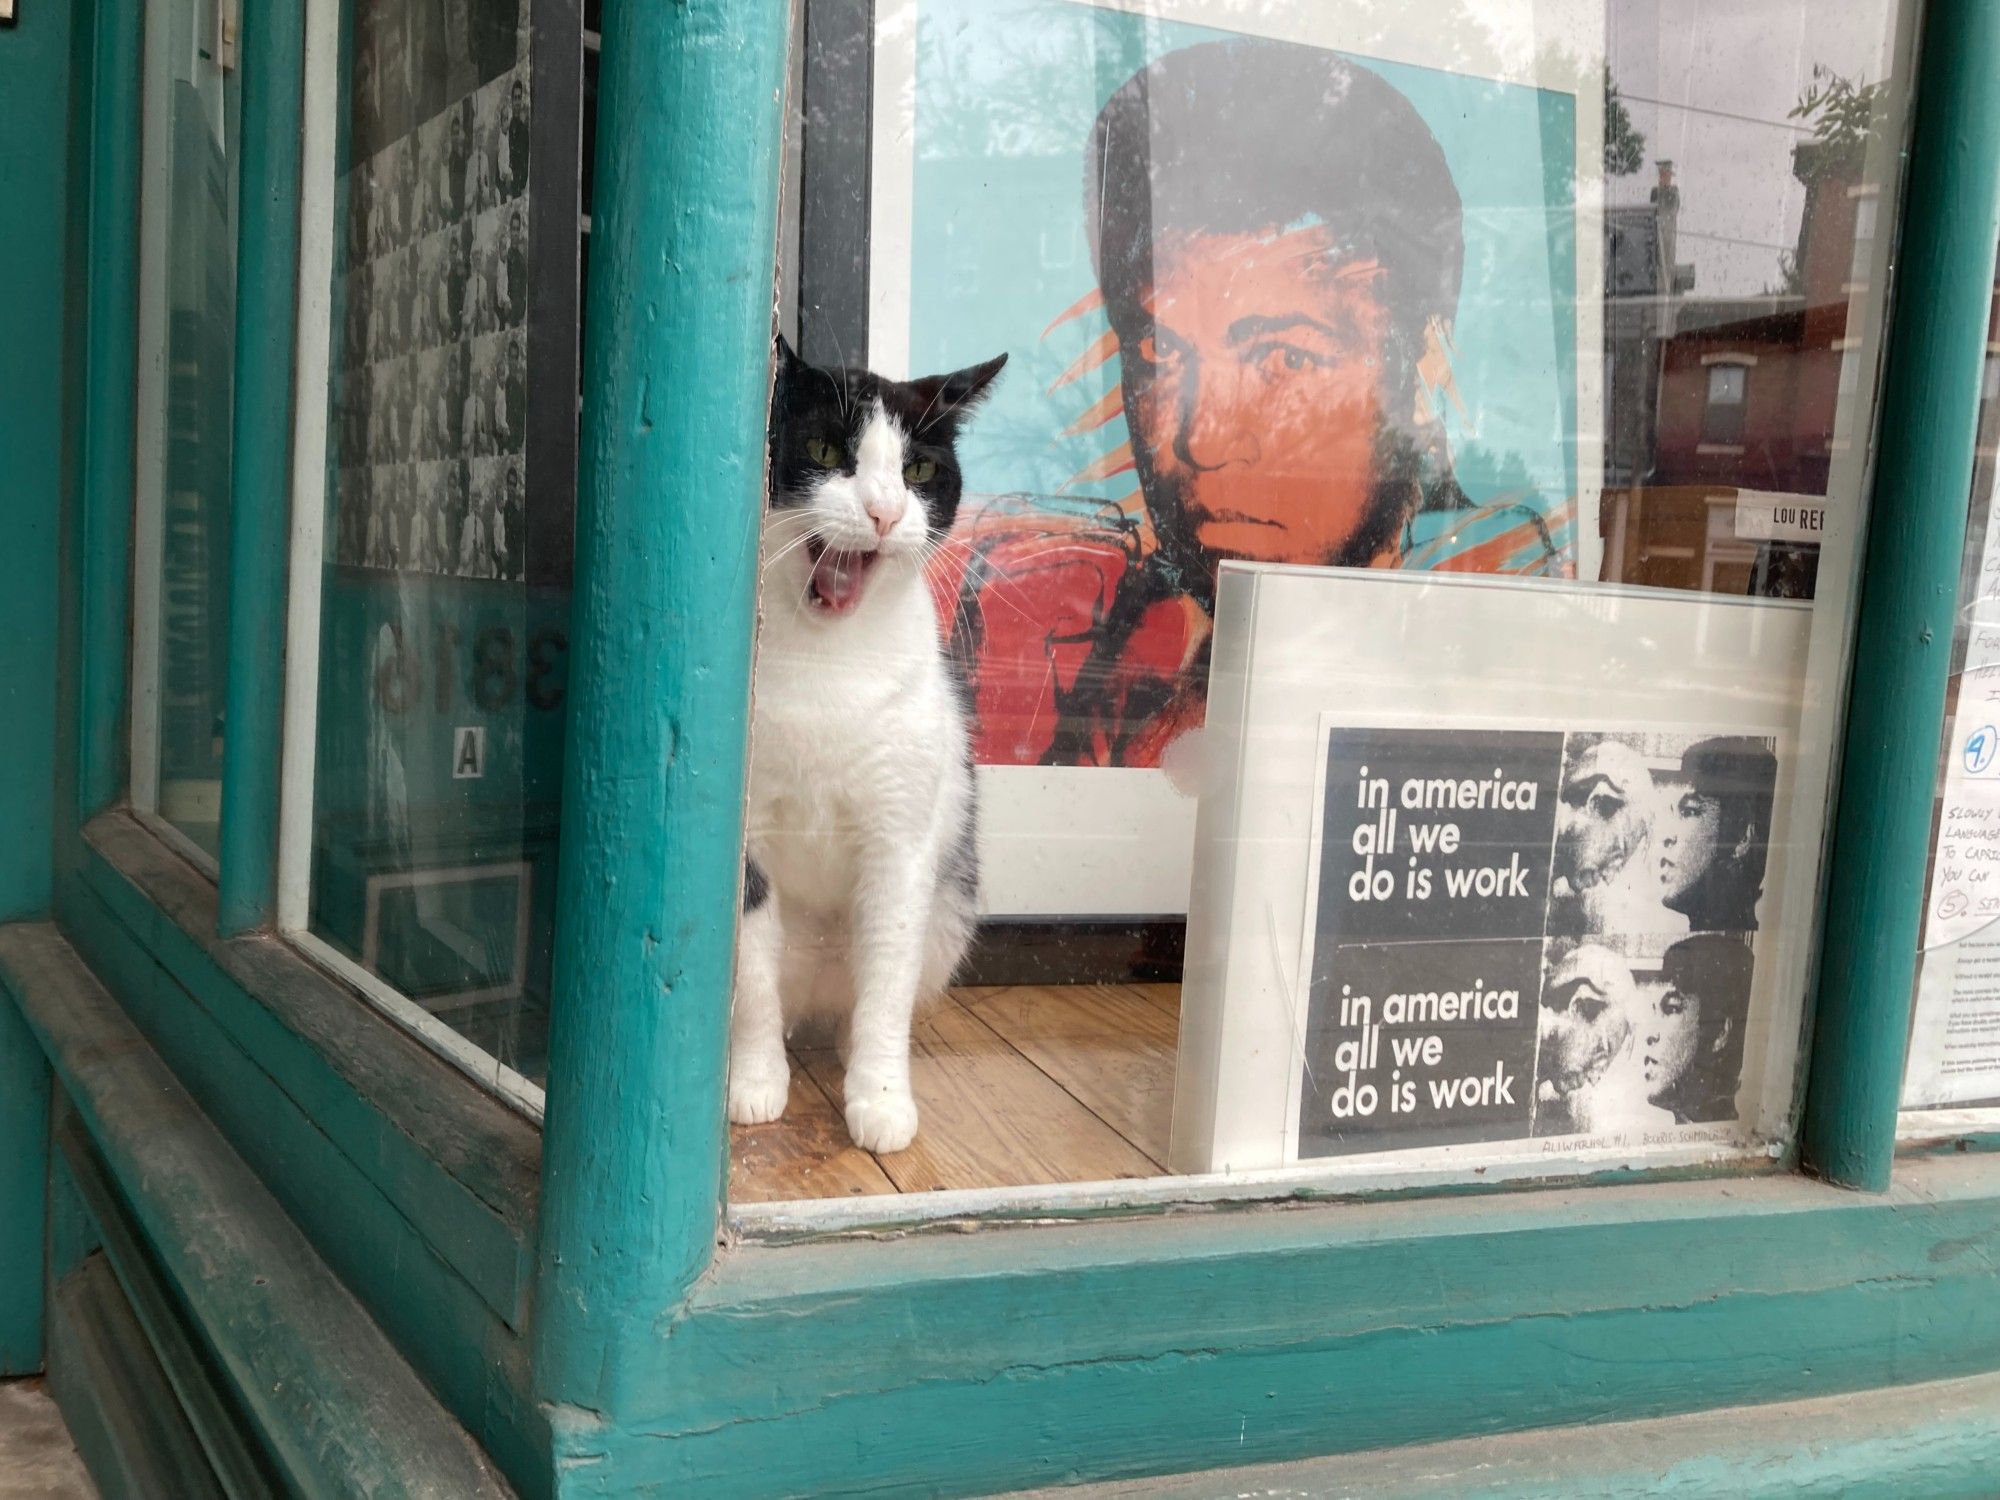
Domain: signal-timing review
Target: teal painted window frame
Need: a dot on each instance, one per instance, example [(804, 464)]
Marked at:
[(569, 1295), (1120, 1344), (419, 1188)]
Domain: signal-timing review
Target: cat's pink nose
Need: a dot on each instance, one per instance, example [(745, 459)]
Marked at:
[(886, 512)]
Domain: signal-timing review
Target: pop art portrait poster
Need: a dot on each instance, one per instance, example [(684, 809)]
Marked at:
[(1277, 281)]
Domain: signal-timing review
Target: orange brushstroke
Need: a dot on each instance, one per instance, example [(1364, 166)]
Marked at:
[(1488, 555), (1110, 405), (1101, 348), (1088, 302), (1117, 461), (1435, 372)]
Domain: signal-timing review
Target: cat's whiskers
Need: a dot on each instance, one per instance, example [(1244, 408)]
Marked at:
[(840, 391), (789, 545), (924, 421), (937, 552), (961, 615), (786, 551)]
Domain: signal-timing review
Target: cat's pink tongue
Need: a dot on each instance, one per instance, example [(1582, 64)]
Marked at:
[(837, 578)]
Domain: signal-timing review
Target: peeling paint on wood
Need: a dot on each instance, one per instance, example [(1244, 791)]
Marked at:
[(342, 1412), (670, 495)]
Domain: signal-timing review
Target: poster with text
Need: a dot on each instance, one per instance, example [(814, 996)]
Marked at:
[(1528, 932)]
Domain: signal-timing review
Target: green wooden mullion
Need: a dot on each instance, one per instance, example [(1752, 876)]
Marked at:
[(267, 254), (675, 394), (1923, 478), (110, 408)]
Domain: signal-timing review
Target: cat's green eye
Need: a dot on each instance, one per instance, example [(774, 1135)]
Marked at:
[(827, 455), (920, 471)]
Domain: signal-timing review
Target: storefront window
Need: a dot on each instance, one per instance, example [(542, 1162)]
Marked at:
[(420, 862), (1954, 1057), (1400, 578), (187, 328)]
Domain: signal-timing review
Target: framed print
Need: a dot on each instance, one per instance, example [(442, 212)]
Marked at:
[(1227, 339), (1449, 935), (450, 937), (1489, 941)]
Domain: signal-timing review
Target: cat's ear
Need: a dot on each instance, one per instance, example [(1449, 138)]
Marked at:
[(954, 395), (786, 377)]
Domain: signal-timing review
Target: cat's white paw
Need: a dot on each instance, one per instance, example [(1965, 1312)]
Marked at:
[(758, 1098), (882, 1121)]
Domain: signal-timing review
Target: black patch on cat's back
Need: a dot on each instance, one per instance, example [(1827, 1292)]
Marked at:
[(961, 862), (756, 886), (961, 865)]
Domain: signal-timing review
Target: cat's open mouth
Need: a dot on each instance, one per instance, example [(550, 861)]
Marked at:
[(837, 577)]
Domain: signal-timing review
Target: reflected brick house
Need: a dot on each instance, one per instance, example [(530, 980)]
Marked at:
[(1747, 394)]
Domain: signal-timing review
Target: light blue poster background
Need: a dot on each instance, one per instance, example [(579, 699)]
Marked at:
[(1006, 94)]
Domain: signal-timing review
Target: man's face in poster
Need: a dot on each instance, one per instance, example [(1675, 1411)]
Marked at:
[(1278, 243), (1253, 395)]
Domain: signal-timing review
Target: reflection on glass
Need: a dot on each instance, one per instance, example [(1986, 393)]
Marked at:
[(444, 598), (187, 347), (1400, 578)]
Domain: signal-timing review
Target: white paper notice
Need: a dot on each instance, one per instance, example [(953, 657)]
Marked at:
[(1965, 880), (1955, 1041)]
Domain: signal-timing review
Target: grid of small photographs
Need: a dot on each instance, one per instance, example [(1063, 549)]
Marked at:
[(431, 369), (1661, 847)]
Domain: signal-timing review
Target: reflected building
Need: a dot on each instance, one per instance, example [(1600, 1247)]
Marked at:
[(1712, 401)]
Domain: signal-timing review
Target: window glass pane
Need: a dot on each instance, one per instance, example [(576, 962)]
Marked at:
[(1722, 422), (1401, 580), (186, 352), (427, 871), (1954, 1058)]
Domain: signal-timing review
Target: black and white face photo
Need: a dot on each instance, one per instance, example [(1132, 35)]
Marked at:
[(432, 378), (1637, 1034), (1661, 833), (1661, 854)]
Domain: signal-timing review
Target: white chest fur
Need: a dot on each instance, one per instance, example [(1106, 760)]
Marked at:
[(860, 818), (855, 734)]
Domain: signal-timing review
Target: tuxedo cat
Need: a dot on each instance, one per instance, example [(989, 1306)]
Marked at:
[(860, 876)]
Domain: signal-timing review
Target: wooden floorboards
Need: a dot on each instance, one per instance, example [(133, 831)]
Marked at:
[(1017, 1085)]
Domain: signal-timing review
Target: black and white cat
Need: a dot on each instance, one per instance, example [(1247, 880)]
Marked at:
[(861, 877)]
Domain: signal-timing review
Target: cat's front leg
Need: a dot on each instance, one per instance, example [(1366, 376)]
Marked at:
[(760, 1076), (891, 918)]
